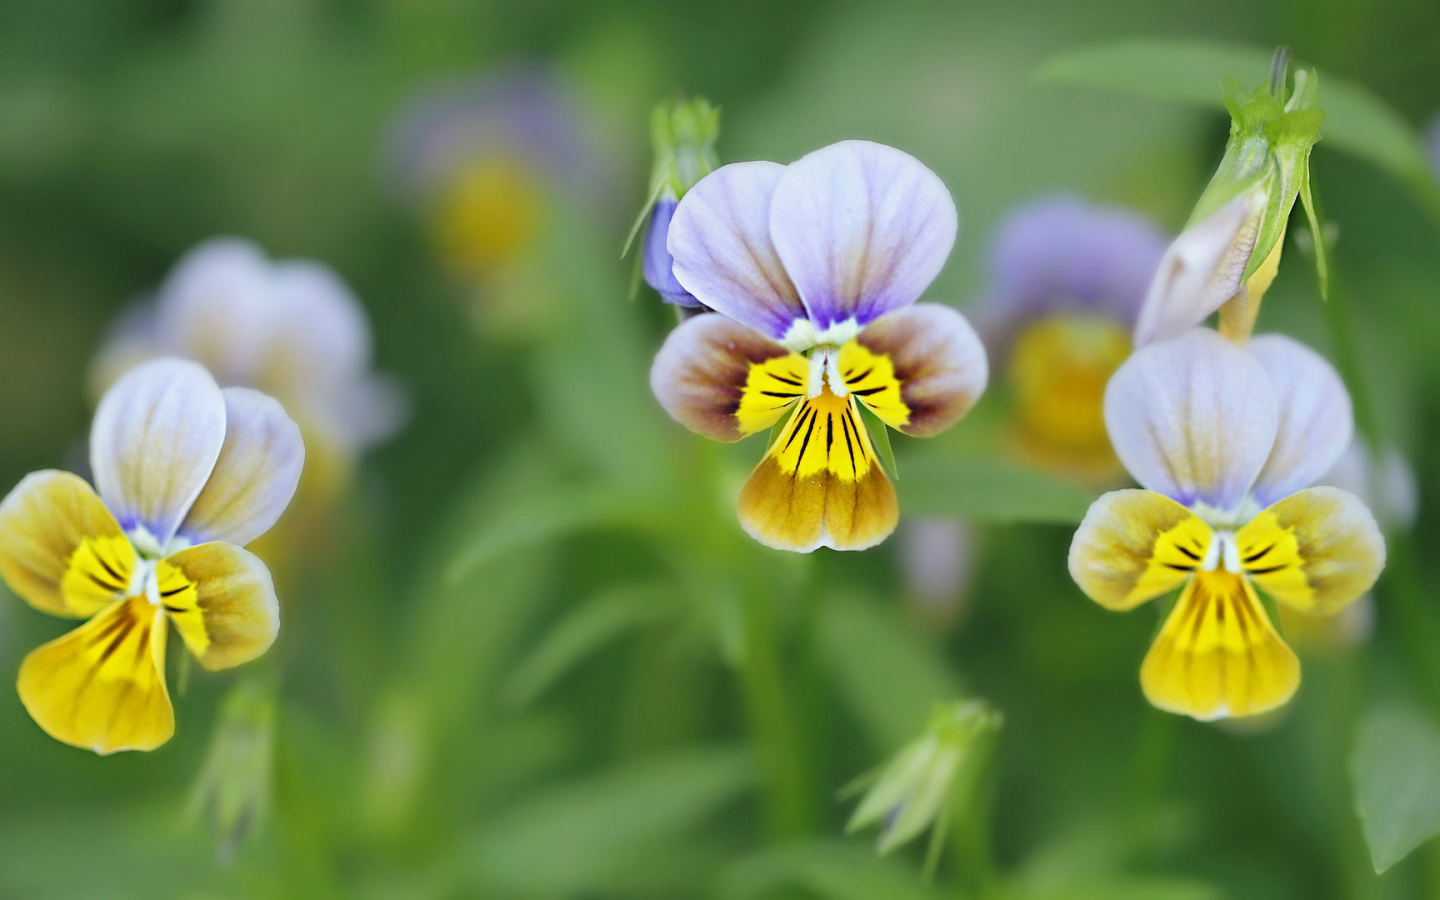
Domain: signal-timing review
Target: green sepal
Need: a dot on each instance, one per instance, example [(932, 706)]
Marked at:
[(683, 136), (1317, 236), (1268, 150), (880, 437)]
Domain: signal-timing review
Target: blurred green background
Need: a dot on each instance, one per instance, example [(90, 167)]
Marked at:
[(538, 657)]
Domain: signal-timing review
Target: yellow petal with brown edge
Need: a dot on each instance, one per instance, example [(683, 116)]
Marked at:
[(920, 368), (102, 686), (1135, 545), (1318, 550), (60, 548), (820, 484), (726, 380), (1218, 655), (222, 600)]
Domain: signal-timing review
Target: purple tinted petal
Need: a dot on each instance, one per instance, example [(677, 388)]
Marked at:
[(862, 229), (657, 262), (1193, 418), (720, 238), (1316, 421), (1063, 254), (524, 111)]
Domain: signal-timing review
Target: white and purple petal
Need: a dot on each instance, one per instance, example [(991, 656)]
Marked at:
[(255, 476), (720, 241), (939, 362), (862, 229), (217, 307), (154, 442), (1316, 421), (1193, 418)]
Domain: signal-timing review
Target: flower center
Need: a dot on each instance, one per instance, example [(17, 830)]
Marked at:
[(825, 367), (1223, 550), (1058, 370)]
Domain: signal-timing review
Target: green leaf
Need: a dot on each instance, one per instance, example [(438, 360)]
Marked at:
[(1396, 770), (564, 839), (1356, 121), (548, 516), (888, 675), (989, 490), (588, 628), (880, 437)]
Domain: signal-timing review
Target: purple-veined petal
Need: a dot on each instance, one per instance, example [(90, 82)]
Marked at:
[(1316, 421), (720, 241), (154, 442), (862, 229), (1193, 418), (255, 476)]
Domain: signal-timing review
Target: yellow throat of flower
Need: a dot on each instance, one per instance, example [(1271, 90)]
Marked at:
[(488, 215), (1058, 370)]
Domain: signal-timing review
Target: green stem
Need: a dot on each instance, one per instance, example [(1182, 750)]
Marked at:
[(773, 725), (974, 858)]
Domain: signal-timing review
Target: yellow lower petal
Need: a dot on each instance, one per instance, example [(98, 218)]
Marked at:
[(820, 484), (1218, 655), (102, 686), (1135, 545)]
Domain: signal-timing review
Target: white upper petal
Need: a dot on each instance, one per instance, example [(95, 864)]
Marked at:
[(862, 229), (1316, 421), (1201, 270), (154, 442), (218, 308), (255, 476), (322, 337), (720, 239), (1193, 418)]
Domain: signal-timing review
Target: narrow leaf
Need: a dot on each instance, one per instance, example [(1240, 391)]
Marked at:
[(880, 437), (586, 630)]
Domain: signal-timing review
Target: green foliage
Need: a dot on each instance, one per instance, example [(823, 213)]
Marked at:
[(989, 490), (1396, 771), (1190, 71)]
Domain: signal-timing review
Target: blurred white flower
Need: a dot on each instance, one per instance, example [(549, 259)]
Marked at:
[(290, 328)]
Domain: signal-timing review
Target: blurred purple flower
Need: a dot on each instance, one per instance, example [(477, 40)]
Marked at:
[(523, 112), (1062, 254)]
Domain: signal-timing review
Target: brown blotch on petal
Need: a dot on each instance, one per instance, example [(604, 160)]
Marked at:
[(699, 375), (939, 362)]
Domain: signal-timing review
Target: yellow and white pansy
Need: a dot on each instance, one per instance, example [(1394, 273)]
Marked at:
[(289, 328), (185, 474), (1225, 442), (813, 270)]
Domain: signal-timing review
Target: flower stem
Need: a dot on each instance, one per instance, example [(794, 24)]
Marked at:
[(773, 724)]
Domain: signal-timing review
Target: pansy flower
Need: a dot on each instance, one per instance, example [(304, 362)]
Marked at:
[(481, 158), (185, 474), (289, 328), (1066, 282), (1225, 442), (813, 270)]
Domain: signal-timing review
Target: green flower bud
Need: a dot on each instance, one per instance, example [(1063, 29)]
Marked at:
[(1230, 249), (930, 779)]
